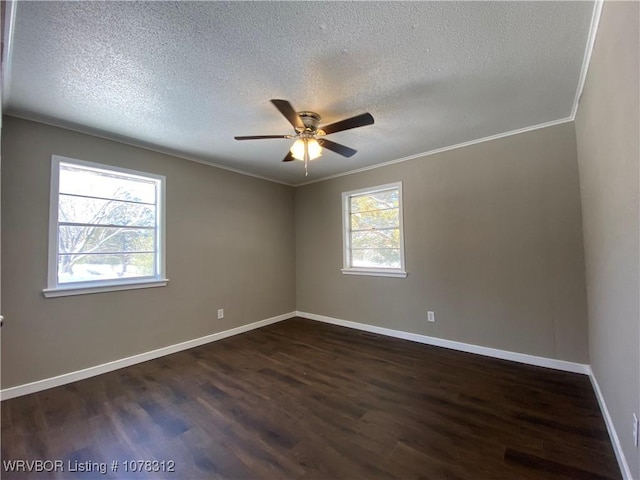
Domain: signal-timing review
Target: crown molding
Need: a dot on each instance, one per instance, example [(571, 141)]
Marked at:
[(136, 143), (441, 150), (9, 24), (591, 41)]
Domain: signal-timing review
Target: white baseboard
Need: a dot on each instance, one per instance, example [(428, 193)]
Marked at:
[(615, 441), (573, 367), (496, 353), (463, 347), (65, 378)]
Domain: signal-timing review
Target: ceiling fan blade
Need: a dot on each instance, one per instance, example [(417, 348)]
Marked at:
[(336, 147), (353, 122), (288, 158), (260, 137), (288, 111)]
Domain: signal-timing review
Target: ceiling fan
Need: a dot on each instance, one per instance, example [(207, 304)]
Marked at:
[(309, 138)]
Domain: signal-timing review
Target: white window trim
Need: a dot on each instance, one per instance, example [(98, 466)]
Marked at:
[(81, 288), (346, 237)]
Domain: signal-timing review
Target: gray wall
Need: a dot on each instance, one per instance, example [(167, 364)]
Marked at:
[(607, 130), (229, 245), (493, 245)]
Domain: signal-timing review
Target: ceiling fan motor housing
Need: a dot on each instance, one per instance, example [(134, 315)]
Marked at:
[(311, 120)]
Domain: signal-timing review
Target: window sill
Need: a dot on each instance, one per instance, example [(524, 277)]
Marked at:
[(375, 273), (104, 287)]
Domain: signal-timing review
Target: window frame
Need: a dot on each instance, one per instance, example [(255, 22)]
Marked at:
[(347, 269), (55, 289)]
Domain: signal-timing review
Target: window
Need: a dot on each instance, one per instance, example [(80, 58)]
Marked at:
[(373, 237), (106, 228)]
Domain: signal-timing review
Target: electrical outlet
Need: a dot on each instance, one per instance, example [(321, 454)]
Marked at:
[(635, 429), (431, 316), (220, 313)]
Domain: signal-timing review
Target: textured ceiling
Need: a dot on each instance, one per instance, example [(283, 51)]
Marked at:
[(186, 77)]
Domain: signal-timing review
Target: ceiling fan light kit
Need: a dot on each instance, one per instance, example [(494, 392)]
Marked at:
[(306, 149), (309, 138)]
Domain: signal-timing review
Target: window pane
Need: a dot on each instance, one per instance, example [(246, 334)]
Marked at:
[(84, 268), (105, 212), (376, 239), (375, 201), (80, 180), (376, 219), (72, 239), (389, 258)]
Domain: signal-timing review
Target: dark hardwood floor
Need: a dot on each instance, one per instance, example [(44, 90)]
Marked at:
[(301, 399)]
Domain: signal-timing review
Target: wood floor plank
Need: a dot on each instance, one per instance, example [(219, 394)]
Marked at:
[(305, 400)]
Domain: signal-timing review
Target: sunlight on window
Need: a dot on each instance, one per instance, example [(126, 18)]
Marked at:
[(106, 226), (373, 229)]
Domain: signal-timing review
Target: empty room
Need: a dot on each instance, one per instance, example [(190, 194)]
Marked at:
[(328, 240)]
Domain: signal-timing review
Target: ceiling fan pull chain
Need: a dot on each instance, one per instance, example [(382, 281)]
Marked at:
[(306, 171)]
